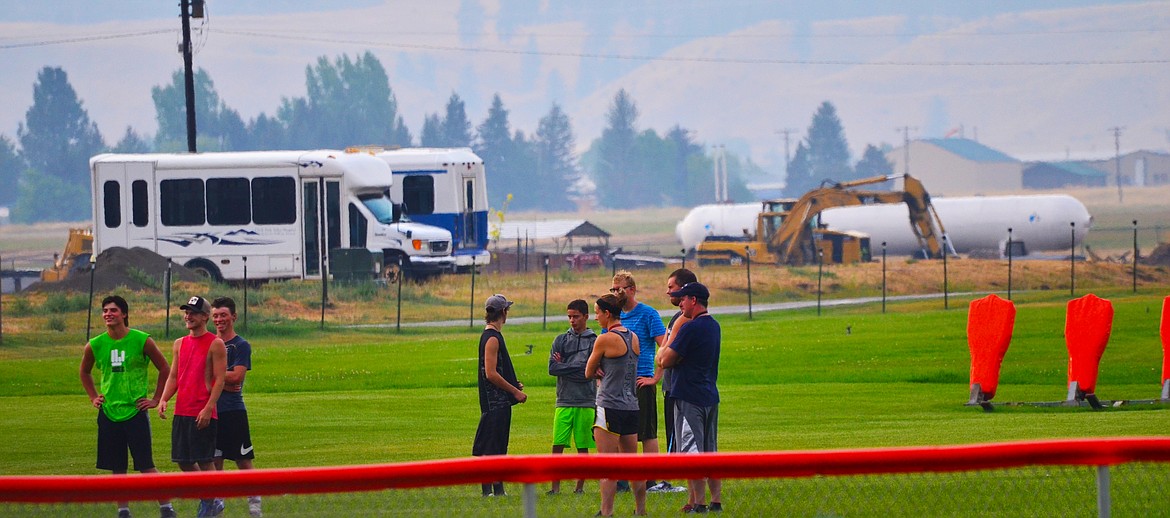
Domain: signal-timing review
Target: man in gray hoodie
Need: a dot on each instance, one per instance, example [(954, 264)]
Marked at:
[(576, 395)]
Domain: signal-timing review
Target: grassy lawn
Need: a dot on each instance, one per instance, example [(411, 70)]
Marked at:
[(789, 380)]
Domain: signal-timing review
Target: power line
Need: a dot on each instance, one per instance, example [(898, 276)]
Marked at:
[(691, 59), (83, 39)]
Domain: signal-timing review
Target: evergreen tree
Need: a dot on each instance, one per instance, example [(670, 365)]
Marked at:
[(557, 173), (800, 178), (11, 167), (873, 163), (684, 150), (401, 136), (494, 145), (217, 127), (264, 132), (524, 159), (56, 141), (432, 132), (615, 154), (131, 143), (828, 152), (350, 102), (456, 128)]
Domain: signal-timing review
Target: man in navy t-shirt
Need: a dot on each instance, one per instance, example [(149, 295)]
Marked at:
[(693, 356)]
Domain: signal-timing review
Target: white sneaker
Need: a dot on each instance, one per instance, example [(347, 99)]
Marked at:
[(254, 507)]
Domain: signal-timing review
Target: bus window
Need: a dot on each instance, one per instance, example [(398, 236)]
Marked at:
[(181, 202), (228, 201), (418, 194), (357, 227), (112, 204), (139, 203), (274, 200)]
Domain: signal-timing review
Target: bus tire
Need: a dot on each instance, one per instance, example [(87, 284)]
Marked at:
[(205, 268)]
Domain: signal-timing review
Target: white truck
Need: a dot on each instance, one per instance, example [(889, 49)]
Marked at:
[(285, 211)]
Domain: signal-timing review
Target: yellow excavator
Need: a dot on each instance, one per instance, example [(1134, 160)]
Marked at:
[(75, 257), (789, 231)]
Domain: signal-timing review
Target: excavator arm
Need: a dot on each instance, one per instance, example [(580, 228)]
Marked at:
[(792, 241)]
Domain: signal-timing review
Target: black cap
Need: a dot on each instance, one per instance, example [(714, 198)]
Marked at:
[(692, 289), (197, 304)]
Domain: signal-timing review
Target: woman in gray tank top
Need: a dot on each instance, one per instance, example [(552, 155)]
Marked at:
[(615, 363)]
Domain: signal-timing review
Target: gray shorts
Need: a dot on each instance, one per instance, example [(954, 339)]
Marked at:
[(695, 427)]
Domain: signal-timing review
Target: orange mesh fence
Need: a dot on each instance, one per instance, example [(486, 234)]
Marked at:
[(1041, 478)]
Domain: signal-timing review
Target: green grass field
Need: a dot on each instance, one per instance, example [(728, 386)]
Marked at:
[(788, 380)]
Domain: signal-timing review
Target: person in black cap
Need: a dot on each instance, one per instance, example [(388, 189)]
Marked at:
[(693, 355), (198, 358), (498, 388)]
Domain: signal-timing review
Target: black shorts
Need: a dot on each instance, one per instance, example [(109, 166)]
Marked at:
[(115, 438), (647, 412), (491, 437), (233, 441), (190, 445), (617, 422)]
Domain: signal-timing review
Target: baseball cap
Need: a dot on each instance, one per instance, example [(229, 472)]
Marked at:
[(498, 301), (197, 304), (692, 289)]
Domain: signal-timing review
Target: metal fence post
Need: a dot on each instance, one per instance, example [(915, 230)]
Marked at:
[(820, 271), (245, 326), (167, 295), (471, 303), (883, 276), (544, 312), (1072, 259), (1009, 254), (529, 500), (1135, 256), (398, 321), (748, 262), (946, 288), (1104, 503), (89, 309), (684, 258)]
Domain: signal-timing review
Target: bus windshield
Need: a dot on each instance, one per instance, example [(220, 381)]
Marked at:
[(383, 209)]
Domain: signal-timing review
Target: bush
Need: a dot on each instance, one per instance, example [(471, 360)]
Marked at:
[(56, 323), (57, 303), (19, 307)]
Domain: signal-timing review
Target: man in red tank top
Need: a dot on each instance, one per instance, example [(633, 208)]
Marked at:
[(199, 365)]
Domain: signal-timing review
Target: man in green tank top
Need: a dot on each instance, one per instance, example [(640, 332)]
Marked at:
[(121, 355)]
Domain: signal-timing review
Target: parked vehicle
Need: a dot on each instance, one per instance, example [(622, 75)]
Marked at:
[(447, 188), (284, 211)]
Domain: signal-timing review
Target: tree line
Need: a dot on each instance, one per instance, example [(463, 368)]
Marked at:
[(350, 102)]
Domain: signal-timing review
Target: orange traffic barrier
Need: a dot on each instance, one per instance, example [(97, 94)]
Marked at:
[(990, 321), (1088, 324), (1164, 332)]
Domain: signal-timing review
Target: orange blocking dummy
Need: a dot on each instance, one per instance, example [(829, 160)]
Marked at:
[(990, 321), (1087, 326)]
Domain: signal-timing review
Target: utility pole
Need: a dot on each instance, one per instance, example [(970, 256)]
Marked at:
[(1117, 157), (905, 130), (720, 174), (787, 156), (188, 76)]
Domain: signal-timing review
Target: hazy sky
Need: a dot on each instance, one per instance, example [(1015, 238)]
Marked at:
[(1032, 78)]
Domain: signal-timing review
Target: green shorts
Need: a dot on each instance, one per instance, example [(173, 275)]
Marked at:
[(574, 423)]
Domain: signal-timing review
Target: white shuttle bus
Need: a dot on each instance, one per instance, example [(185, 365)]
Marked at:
[(283, 210), (444, 187)]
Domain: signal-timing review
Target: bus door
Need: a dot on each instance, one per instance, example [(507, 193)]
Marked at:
[(321, 204), (469, 231), (126, 199)]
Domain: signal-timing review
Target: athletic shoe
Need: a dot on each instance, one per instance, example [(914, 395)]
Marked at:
[(661, 487), (123, 513), (716, 507), (167, 512), (209, 507), (254, 507), (694, 508)]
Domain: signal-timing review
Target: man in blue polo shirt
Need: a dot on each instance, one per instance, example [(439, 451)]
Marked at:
[(693, 356)]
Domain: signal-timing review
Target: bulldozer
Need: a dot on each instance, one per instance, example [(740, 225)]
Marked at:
[(789, 232), (75, 257)]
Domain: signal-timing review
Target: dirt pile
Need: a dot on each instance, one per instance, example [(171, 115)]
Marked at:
[(1160, 256), (135, 268)]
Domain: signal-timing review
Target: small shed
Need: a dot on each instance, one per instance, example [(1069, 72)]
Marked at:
[(562, 232), (1054, 175)]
